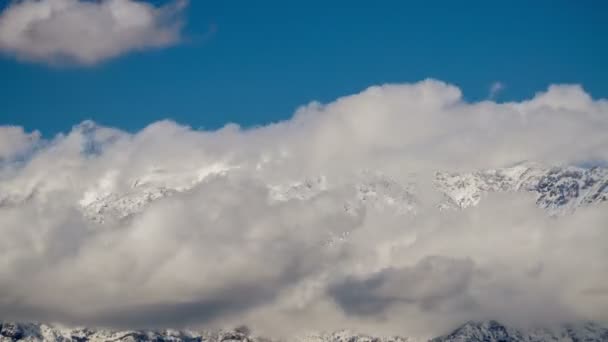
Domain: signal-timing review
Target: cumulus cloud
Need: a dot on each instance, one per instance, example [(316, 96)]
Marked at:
[(206, 244), (15, 142), (86, 32)]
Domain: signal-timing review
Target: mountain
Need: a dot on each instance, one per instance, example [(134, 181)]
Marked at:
[(492, 331), (349, 336), (559, 190), (367, 189), (35, 332), (104, 199), (487, 331)]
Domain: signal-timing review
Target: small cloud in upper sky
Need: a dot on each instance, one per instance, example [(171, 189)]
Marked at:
[(86, 32), (495, 89)]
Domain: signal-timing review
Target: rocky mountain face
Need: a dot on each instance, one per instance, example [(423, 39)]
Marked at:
[(487, 331), (35, 332), (556, 189), (492, 331), (560, 190)]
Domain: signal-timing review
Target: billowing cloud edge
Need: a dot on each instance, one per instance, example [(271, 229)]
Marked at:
[(221, 253)]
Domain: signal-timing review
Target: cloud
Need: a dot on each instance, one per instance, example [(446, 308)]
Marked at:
[(495, 89), (86, 32), (429, 284), (214, 247), (15, 143)]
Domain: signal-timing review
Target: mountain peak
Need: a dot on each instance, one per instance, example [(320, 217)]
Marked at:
[(560, 190)]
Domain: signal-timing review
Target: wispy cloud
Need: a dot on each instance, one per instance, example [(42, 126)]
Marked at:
[(495, 89), (86, 32)]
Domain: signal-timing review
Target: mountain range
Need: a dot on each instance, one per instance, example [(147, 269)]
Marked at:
[(486, 331), (558, 190)]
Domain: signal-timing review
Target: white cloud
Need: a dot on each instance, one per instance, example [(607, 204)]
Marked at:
[(86, 32), (15, 142), (222, 253)]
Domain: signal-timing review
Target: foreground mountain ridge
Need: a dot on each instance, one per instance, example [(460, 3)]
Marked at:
[(486, 331)]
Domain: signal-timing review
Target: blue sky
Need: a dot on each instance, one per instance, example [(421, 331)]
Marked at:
[(256, 62)]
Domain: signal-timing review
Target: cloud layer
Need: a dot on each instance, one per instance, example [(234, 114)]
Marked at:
[(86, 32), (223, 252)]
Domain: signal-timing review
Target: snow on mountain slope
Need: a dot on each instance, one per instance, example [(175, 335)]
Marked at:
[(349, 336), (560, 190), (102, 200), (35, 332), (372, 190), (464, 190), (487, 331), (298, 190), (492, 331)]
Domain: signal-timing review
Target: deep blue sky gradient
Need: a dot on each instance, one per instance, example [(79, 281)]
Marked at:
[(254, 62)]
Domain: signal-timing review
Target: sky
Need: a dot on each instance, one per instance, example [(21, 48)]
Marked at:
[(333, 200), (252, 63)]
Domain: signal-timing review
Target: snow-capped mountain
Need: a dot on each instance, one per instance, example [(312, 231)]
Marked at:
[(487, 331), (35, 332), (492, 331), (104, 200), (560, 190), (349, 336), (368, 189), (557, 189)]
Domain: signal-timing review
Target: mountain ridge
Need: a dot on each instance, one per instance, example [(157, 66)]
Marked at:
[(483, 331), (558, 190)]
